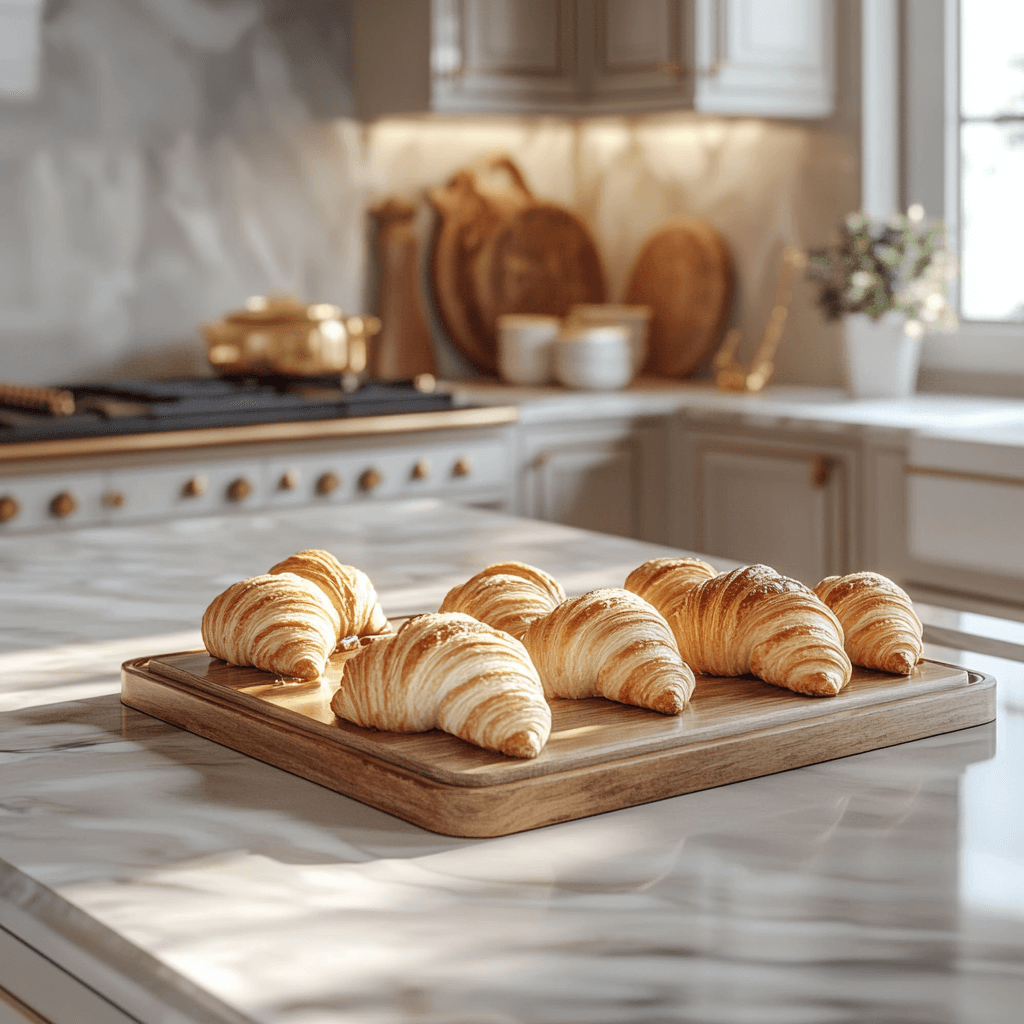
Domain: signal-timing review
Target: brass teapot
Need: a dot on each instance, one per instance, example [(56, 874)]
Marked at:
[(280, 336)]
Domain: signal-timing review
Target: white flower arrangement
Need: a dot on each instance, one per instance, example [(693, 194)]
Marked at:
[(902, 264)]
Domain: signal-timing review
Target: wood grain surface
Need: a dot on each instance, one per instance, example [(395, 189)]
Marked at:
[(496, 249), (601, 755), (684, 273)]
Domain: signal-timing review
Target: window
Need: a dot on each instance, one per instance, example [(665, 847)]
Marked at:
[(961, 155), (991, 160)]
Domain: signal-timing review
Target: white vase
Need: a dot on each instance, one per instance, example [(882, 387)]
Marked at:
[(881, 360)]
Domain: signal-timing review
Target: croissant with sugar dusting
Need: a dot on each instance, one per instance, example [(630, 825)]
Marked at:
[(452, 672), (749, 620), (347, 588), (881, 628), (506, 595), (610, 643), (276, 622)]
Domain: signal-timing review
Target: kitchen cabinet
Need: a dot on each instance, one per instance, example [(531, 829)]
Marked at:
[(609, 476), (769, 58), (756, 497)]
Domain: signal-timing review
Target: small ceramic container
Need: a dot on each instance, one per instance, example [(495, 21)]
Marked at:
[(596, 358), (637, 319), (525, 347)]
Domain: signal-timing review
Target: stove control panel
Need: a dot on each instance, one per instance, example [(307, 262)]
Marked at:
[(470, 466)]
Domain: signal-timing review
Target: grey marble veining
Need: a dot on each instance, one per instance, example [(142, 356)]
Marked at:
[(171, 872)]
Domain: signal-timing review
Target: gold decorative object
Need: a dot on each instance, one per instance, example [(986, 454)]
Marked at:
[(729, 374), (278, 335)]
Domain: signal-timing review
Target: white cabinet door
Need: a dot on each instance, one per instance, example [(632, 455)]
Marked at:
[(609, 477), (504, 55), (787, 506), (637, 54), (770, 58)]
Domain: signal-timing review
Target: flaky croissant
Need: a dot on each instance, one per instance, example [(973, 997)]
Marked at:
[(450, 672), (277, 622), (506, 595), (610, 643), (348, 589), (749, 620), (880, 626)]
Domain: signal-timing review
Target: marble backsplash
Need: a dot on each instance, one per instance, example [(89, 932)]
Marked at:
[(183, 154)]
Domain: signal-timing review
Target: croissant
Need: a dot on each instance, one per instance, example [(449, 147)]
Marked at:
[(450, 672), (348, 589), (507, 595), (880, 625), (749, 620), (610, 643), (277, 622)]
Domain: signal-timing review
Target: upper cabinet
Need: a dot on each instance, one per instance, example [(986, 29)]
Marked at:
[(770, 58)]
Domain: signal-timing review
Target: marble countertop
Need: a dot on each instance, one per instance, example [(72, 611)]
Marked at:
[(811, 408), (186, 882)]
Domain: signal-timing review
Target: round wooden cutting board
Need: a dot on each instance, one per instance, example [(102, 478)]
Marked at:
[(684, 273), (543, 260)]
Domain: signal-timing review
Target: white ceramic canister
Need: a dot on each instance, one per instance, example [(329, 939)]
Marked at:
[(637, 319), (525, 347), (597, 358)]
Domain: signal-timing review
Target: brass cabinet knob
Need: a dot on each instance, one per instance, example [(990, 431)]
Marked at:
[(463, 466), (194, 486), (821, 470), (421, 470), (327, 483), (113, 499), (289, 480), (63, 505), (239, 490), (9, 508), (370, 480)]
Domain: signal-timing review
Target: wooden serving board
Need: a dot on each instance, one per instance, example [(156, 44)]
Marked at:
[(601, 755)]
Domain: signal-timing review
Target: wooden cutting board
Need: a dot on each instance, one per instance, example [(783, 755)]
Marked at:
[(496, 249), (684, 273), (601, 756)]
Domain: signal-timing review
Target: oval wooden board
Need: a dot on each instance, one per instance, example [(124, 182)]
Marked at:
[(684, 273)]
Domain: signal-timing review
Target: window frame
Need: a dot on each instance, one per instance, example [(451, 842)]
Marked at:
[(981, 356)]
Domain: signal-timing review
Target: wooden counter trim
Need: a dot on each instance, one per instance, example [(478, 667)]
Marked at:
[(299, 430), (959, 474)]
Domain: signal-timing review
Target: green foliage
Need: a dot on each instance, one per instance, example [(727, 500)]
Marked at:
[(901, 264)]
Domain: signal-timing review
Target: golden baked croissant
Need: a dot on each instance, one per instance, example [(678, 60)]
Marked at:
[(277, 622), (610, 643), (880, 626), (506, 595), (348, 589), (450, 672), (749, 620)]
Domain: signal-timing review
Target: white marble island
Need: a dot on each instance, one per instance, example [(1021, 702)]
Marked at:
[(181, 881)]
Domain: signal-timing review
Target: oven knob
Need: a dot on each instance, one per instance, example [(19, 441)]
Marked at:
[(421, 470), (113, 499), (289, 480), (9, 508), (463, 466), (195, 486), (370, 480), (63, 505), (327, 483), (239, 490)]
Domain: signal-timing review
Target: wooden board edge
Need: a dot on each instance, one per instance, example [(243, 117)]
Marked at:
[(345, 739), (490, 811)]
